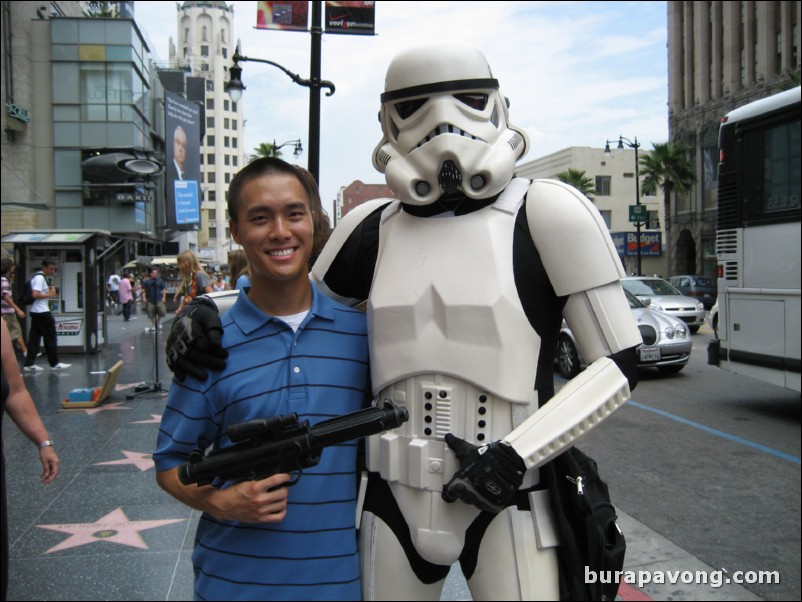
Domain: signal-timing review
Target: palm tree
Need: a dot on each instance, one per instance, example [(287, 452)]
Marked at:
[(579, 180), (669, 168), (266, 149)]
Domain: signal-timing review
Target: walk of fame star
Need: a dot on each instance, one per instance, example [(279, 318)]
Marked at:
[(115, 527)]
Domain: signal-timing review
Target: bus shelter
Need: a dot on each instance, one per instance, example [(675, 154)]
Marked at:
[(78, 305)]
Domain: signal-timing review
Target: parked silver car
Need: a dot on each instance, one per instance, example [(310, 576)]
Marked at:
[(666, 342), (660, 295)]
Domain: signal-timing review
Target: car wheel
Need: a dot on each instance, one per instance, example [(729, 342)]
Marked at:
[(693, 329), (671, 369), (567, 357)]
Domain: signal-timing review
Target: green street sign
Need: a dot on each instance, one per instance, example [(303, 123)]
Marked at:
[(637, 213)]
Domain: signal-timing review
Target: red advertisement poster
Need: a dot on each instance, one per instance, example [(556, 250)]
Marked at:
[(287, 15)]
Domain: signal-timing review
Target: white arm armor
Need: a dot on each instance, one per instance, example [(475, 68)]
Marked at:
[(579, 406), (581, 261)]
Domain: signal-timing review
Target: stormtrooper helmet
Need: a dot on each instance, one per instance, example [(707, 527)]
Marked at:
[(446, 126)]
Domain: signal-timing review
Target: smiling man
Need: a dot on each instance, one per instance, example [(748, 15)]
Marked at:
[(291, 349)]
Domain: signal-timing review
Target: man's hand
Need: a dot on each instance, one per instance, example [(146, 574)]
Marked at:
[(489, 476), (196, 341), (262, 501)]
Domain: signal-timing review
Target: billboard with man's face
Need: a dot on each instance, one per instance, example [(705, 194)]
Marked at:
[(182, 173)]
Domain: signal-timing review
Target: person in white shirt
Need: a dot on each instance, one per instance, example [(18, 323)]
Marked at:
[(114, 287), (43, 324)]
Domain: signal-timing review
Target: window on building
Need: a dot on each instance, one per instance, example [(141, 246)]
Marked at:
[(205, 34), (210, 179), (210, 140), (709, 258), (227, 160), (228, 178), (234, 160), (603, 185), (109, 92), (225, 105), (212, 233), (204, 51), (710, 178), (606, 216), (234, 142), (210, 85), (233, 124), (186, 35), (210, 104), (210, 122), (226, 121), (652, 220), (210, 159), (211, 196), (225, 53), (226, 141)]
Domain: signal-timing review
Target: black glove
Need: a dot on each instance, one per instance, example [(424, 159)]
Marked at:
[(196, 339), (489, 476)]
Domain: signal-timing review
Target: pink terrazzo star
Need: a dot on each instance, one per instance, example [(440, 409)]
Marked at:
[(115, 527), (142, 461), (154, 419), (118, 405)]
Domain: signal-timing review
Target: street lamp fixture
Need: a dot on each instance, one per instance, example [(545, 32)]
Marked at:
[(234, 87), (622, 141), (296, 151)]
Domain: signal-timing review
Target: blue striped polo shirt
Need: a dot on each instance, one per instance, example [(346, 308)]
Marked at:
[(319, 372)]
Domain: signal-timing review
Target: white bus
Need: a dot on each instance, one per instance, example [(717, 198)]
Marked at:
[(758, 241)]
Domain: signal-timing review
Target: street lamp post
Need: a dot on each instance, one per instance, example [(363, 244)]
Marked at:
[(636, 145), (296, 151), (234, 87)]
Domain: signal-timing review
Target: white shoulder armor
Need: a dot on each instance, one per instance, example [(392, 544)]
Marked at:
[(568, 230), (339, 235)]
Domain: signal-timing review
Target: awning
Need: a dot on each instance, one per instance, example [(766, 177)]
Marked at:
[(164, 260)]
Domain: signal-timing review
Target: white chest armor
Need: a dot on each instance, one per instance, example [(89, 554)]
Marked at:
[(444, 301)]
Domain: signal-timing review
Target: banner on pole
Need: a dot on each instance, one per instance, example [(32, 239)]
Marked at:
[(353, 18), (288, 15)]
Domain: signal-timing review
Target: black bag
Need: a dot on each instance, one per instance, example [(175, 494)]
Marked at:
[(26, 298), (586, 524)]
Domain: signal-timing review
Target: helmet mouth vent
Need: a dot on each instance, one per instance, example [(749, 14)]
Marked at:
[(450, 177)]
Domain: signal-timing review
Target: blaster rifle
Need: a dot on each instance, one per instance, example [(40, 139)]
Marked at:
[(269, 446)]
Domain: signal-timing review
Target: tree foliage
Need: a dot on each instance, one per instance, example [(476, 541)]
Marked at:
[(266, 149), (667, 168), (579, 180)]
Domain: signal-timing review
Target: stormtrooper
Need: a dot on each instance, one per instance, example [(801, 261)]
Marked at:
[(467, 276)]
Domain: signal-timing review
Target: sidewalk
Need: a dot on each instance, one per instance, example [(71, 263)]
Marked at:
[(105, 531)]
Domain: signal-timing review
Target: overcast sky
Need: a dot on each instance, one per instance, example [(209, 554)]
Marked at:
[(576, 74)]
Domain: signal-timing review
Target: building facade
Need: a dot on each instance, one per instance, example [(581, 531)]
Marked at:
[(27, 192), (356, 193), (204, 46), (613, 175), (88, 153), (721, 55)]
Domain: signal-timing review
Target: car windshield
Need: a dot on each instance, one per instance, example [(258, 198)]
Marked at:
[(634, 302), (655, 286)]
